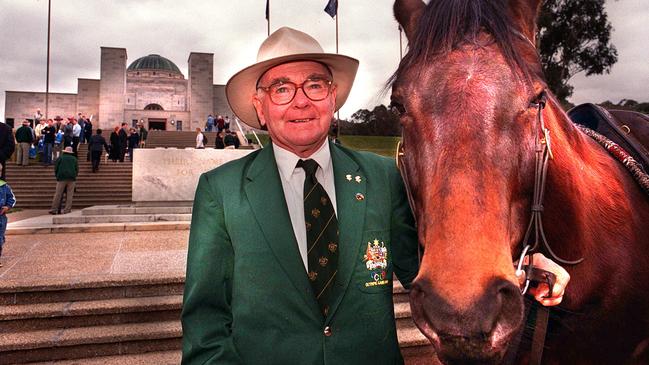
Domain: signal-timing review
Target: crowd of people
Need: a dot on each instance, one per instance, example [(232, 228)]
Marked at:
[(225, 139), (49, 137)]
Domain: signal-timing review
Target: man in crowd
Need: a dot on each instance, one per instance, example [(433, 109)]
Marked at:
[(66, 170), (210, 123), (7, 147), (87, 129), (293, 248), (76, 135), (49, 135), (123, 141), (82, 124), (24, 137), (96, 146), (143, 135), (37, 117)]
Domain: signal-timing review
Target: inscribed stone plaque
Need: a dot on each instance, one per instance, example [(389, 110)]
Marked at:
[(171, 175)]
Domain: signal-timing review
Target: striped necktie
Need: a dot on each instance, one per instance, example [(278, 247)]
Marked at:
[(322, 236)]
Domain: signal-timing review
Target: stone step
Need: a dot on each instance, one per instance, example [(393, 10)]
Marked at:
[(48, 291), (65, 219), (130, 209), (30, 317), (171, 357), (83, 342), (422, 355), (78, 342)]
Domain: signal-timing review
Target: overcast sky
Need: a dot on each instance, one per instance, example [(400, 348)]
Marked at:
[(233, 31)]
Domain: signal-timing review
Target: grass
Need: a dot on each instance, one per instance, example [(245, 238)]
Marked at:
[(380, 145)]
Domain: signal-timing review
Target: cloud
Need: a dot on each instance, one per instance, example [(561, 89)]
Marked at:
[(233, 30)]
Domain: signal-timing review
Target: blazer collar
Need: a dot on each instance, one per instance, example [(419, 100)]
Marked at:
[(350, 198)]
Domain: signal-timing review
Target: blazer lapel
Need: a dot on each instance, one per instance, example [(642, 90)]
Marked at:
[(350, 202), (266, 196)]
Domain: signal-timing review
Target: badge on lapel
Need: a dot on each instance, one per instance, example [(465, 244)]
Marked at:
[(376, 262)]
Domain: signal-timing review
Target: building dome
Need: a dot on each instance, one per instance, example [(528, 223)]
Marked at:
[(154, 62)]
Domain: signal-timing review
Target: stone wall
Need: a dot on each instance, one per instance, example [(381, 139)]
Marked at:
[(169, 93), (112, 87), (201, 88), (221, 106), (21, 105), (88, 98)]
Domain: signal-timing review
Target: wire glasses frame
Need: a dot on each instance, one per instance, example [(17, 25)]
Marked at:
[(283, 92)]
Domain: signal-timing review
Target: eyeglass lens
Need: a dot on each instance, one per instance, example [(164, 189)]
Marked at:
[(284, 92)]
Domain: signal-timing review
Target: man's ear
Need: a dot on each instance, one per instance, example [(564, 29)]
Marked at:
[(258, 108)]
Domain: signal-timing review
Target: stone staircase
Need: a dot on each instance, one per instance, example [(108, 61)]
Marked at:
[(34, 185), (130, 321), (179, 139)]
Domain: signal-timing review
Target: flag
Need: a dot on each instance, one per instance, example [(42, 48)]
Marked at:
[(267, 12), (332, 8)]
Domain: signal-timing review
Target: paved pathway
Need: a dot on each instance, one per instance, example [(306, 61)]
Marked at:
[(74, 257)]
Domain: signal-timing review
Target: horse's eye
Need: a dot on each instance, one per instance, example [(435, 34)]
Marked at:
[(397, 108)]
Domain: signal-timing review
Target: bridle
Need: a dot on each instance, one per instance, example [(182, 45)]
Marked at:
[(535, 234)]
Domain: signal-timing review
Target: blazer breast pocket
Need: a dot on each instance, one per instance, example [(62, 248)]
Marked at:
[(373, 271)]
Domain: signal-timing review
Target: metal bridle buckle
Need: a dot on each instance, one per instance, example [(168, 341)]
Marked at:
[(520, 271)]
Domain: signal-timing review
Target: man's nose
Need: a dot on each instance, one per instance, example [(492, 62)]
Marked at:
[(300, 98)]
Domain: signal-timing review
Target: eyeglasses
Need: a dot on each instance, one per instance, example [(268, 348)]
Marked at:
[(283, 92)]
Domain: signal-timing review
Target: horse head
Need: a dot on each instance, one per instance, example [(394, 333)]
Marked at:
[(463, 93)]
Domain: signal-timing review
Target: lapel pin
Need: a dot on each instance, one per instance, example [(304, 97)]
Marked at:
[(358, 179), (360, 197), (348, 177)]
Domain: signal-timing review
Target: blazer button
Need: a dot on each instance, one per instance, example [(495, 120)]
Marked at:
[(327, 331)]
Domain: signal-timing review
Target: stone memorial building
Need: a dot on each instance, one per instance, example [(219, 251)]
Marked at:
[(151, 89)]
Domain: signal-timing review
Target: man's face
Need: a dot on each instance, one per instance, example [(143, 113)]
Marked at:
[(300, 126)]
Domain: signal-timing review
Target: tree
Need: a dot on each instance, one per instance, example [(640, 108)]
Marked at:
[(574, 37)]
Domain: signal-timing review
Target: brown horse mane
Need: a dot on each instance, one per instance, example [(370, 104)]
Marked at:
[(447, 25)]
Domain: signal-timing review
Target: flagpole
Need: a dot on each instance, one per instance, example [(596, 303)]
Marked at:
[(337, 31), (47, 77), (337, 14), (268, 17)]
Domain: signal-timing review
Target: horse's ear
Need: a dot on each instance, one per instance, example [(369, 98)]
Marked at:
[(525, 14), (407, 13)]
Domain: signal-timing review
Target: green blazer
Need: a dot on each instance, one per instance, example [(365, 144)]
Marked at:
[(247, 297)]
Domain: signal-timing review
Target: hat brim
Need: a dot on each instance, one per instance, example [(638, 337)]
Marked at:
[(242, 86)]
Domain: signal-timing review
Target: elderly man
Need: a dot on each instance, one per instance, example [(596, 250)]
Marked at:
[(293, 248), (24, 138)]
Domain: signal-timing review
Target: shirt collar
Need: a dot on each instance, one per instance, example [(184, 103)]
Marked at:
[(287, 160)]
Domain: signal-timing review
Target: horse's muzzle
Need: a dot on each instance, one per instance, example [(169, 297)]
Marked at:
[(479, 334)]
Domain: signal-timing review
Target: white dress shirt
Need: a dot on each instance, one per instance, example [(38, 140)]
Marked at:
[(76, 130), (292, 178)]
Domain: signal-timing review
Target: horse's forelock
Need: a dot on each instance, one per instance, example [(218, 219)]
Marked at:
[(446, 25)]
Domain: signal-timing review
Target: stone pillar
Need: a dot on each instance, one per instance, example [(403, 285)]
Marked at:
[(200, 88), (112, 87), (88, 99)]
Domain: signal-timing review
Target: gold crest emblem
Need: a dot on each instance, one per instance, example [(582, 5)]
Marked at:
[(323, 261), (313, 275), (376, 262)]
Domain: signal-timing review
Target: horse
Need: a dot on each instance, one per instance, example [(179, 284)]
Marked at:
[(474, 108)]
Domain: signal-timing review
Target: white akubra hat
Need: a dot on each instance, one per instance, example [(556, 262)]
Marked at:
[(286, 45)]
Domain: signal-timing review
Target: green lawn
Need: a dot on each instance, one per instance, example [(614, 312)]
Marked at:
[(381, 145), (378, 144)]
